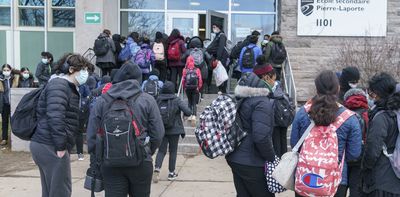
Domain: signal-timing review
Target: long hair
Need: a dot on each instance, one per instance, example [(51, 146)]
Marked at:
[(324, 104)]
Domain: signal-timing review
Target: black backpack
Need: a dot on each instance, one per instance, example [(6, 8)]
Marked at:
[(101, 46), (237, 49), (120, 134), (24, 119), (284, 111), (151, 87), (248, 60), (168, 110), (192, 79), (278, 53)]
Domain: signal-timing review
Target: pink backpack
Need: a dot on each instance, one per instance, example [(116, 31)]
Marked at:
[(319, 172)]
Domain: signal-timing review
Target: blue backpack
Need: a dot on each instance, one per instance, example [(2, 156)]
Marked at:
[(125, 53)]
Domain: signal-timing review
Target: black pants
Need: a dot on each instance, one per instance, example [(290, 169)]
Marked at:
[(209, 80), (79, 142), (355, 187), (193, 99), (280, 140), (172, 141), (135, 181), (162, 67), (176, 74), (5, 118), (249, 181), (105, 67)]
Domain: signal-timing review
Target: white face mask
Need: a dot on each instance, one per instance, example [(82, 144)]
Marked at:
[(353, 85), (216, 30), (25, 75), (6, 73), (44, 61), (264, 42), (82, 77)]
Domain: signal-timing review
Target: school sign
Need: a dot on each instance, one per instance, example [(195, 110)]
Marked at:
[(342, 18)]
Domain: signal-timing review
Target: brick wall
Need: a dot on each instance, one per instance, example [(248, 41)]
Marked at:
[(309, 54)]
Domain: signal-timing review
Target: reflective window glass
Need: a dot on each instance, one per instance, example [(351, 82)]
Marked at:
[(142, 4), (254, 5), (198, 5), (31, 17), (5, 16), (64, 18), (5, 2), (31, 2), (145, 23), (63, 3), (244, 24)]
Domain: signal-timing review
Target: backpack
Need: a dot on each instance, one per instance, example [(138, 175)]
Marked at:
[(278, 53), (174, 51), (284, 111), (24, 120), (125, 53), (158, 49), (168, 110), (248, 59), (192, 79), (101, 46), (151, 87), (120, 133), (198, 57), (318, 171), (142, 58), (220, 129)]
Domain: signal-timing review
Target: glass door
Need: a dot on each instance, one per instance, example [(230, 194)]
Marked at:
[(213, 17), (186, 23)]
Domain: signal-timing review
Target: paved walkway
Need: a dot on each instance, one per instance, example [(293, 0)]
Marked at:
[(198, 177)]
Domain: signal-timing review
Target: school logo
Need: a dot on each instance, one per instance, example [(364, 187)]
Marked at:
[(307, 7), (311, 180)]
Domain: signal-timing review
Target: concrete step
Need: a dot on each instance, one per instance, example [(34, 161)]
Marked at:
[(189, 149)]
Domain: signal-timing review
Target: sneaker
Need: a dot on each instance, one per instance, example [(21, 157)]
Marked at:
[(3, 142), (156, 175), (172, 176), (81, 157)]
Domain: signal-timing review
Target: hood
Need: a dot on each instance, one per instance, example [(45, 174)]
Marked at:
[(153, 77), (190, 63), (116, 37), (196, 42), (250, 85), (167, 91), (128, 71), (356, 101), (125, 89), (102, 35), (276, 38)]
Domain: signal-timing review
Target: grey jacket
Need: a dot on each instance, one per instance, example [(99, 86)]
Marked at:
[(147, 113), (110, 56)]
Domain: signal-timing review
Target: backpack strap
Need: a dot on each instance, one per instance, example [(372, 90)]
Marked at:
[(303, 137)]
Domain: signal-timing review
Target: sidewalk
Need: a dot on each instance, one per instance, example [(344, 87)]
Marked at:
[(198, 177)]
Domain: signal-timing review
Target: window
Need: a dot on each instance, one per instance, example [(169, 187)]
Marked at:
[(63, 12), (31, 12), (222, 5), (244, 24), (142, 4), (5, 13), (253, 5), (145, 23)]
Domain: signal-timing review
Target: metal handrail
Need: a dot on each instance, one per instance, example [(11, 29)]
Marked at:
[(180, 89), (288, 80)]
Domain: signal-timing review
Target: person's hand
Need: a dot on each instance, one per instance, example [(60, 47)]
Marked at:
[(60, 154)]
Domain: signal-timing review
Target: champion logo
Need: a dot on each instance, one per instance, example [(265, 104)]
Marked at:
[(312, 180), (307, 7)]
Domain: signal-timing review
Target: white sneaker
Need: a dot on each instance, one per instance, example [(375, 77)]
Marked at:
[(81, 157)]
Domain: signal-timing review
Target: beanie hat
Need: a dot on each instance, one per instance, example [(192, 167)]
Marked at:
[(159, 35), (262, 66), (354, 91), (128, 71), (349, 74), (168, 88)]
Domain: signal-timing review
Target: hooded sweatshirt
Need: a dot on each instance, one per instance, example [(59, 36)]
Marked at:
[(190, 66)]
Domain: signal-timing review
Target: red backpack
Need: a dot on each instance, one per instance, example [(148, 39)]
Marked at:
[(318, 171), (174, 51)]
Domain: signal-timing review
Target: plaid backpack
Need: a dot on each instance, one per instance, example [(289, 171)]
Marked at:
[(220, 128), (319, 171)]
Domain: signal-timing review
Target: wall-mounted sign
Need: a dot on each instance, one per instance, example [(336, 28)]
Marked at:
[(342, 18)]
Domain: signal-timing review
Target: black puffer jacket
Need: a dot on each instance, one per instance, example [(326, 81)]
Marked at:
[(57, 114), (217, 48), (377, 172), (168, 93), (257, 117)]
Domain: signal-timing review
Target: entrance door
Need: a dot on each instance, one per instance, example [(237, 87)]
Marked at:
[(187, 23), (215, 17)]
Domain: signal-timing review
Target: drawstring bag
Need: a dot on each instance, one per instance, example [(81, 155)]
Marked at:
[(272, 185)]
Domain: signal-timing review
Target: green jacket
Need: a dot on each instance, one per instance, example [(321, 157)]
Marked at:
[(268, 49)]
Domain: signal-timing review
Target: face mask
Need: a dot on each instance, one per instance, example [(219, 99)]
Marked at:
[(82, 77), (264, 42), (353, 85), (25, 76), (45, 61), (215, 30), (6, 73)]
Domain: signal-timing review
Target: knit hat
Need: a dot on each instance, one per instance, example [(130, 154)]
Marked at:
[(168, 88), (354, 91), (349, 74), (128, 71), (262, 66)]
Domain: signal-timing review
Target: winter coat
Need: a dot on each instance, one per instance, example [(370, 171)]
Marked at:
[(26, 83), (43, 73), (268, 49), (257, 52), (5, 88), (57, 114), (153, 77), (147, 113), (182, 45), (377, 172), (168, 93), (190, 66), (257, 118), (349, 135), (356, 100), (110, 56), (146, 48), (217, 48)]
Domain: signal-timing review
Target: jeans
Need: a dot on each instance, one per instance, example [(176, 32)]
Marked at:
[(79, 142), (280, 140), (193, 99), (176, 73), (5, 118), (172, 140), (249, 181), (135, 181)]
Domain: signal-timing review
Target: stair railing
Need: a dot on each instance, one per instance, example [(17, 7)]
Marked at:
[(289, 84)]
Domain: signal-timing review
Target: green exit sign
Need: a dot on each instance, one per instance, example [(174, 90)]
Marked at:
[(92, 17)]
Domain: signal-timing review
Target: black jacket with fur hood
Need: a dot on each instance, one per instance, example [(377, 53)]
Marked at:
[(257, 117)]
